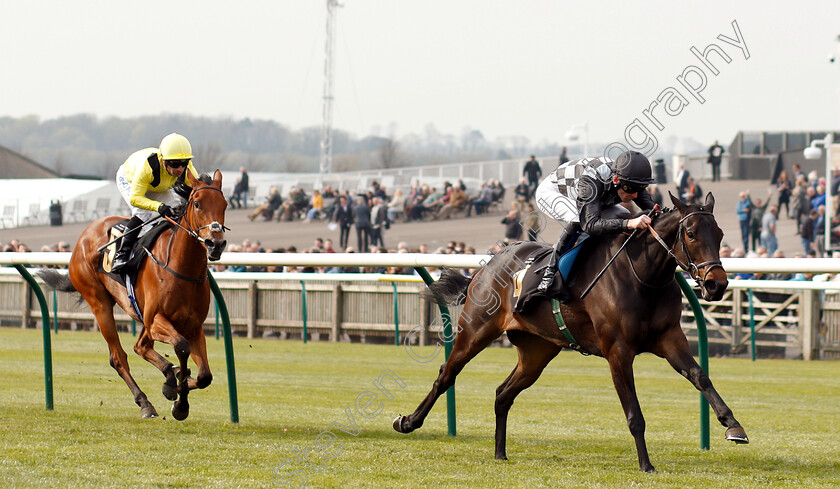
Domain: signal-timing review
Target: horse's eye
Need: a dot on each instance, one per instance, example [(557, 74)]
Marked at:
[(690, 235), (195, 204)]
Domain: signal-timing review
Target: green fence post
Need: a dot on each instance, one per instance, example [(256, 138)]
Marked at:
[(396, 316), (133, 327), (303, 300), (45, 319), (216, 308), (231, 366), (447, 344), (703, 352), (752, 325), (55, 311)]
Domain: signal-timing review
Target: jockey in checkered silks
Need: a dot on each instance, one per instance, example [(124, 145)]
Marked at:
[(592, 195)]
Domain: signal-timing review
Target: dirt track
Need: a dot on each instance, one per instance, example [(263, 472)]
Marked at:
[(479, 232)]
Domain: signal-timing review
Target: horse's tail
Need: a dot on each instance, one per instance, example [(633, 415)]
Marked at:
[(450, 288), (56, 280)]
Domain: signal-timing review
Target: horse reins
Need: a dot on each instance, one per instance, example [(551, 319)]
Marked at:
[(214, 226), (692, 268)]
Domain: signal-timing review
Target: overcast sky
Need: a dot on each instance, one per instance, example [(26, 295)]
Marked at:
[(531, 68)]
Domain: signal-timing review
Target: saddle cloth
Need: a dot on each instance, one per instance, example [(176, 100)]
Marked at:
[(138, 253), (526, 280)]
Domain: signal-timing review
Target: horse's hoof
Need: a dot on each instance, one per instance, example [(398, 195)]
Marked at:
[(169, 392), (180, 411), (398, 425), (649, 469), (148, 412), (501, 456), (738, 435)]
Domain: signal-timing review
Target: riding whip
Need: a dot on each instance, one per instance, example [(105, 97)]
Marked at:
[(128, 231), (585, 292)]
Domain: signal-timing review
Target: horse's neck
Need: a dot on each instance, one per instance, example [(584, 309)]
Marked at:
[(650, 258), (185, 251)]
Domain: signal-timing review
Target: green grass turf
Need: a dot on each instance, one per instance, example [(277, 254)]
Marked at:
[(567, 430)]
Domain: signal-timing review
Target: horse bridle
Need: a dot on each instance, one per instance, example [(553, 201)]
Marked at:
[(215, 226), (692, 268)]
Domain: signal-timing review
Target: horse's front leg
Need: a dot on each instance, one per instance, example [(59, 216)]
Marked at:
[(198, 353), (621, 358), (163, 330), (674, 347)]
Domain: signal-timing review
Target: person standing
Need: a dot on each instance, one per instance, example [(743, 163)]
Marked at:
[(361, 218), (344, 218), (239, 199), (784, 186), (768, 230), (379, 222), (715, 157), (682, 180), (563, 158), (533, 172), (742, 209), (756, 215), (807, 230)]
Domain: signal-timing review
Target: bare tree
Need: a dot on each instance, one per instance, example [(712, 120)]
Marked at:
[(345, 162), (209, 156), (60, 164), (389, 153)]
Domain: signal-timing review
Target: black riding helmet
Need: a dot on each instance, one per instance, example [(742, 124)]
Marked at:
[(633, 168)]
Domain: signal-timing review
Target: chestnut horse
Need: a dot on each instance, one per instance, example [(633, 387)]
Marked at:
[(634, 308), (172, 292)]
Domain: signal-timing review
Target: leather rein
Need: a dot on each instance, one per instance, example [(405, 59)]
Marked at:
[(691, 267), (214, 226)]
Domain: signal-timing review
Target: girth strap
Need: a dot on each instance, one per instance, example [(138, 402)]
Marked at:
[(173, 272), (555, 309)]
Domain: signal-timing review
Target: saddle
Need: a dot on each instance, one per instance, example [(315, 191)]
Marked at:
[(138, 252), (526, 280)]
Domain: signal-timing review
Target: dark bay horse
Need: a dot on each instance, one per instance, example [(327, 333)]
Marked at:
[(174, 300), (634, 308)]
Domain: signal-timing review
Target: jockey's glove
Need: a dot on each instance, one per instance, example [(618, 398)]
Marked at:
[(166, 211)]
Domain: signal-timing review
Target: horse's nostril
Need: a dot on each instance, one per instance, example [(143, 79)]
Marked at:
[(223, 245)]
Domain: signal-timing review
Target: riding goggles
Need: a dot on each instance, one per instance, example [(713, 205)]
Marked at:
[(177, 163), (631, 188)]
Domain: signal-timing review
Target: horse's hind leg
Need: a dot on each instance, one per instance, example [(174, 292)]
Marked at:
[(145, 347), (674, 347), (469, 342), (534, 355), (103, 310)]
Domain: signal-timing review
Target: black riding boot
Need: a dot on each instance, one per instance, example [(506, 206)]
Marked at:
[(126, 244), (567, 239)]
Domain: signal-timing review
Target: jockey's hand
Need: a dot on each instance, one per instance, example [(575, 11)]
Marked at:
[(641, 222), (166, 211)]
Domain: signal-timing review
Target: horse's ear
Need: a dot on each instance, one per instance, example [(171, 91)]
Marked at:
[(677, 203), (217, 179), (191, 178), (710, 202)]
